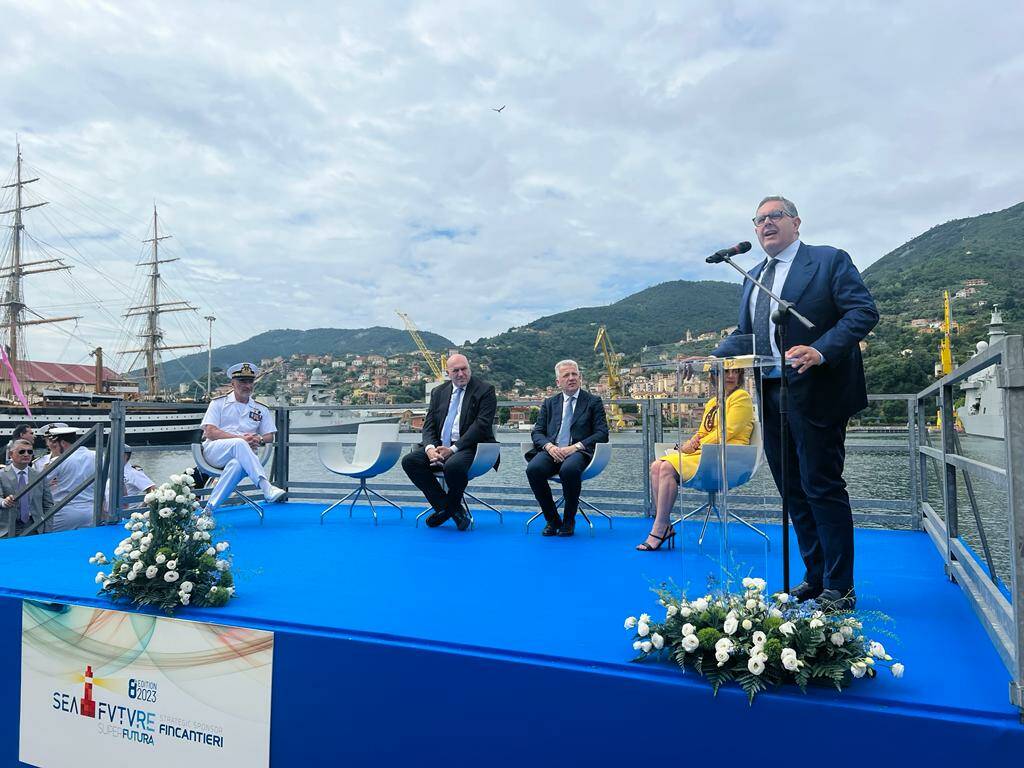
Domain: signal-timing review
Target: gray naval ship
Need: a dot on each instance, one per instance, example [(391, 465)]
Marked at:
[(982, 411)]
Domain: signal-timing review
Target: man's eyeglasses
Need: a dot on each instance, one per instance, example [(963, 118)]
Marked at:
[(774, 216), (23, 452)]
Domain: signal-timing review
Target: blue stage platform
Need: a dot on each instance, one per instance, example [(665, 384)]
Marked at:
[(403, 645)]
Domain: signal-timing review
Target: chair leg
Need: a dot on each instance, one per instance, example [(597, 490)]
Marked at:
[(385, 499), (373, 510), (251, 503), (605, 515), (338, 503), (538, 514), (690, 514), (704, 527), (752, 527), (468, 495), (583, 512)]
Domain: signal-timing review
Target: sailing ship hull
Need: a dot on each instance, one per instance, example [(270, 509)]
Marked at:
[(155, 427)]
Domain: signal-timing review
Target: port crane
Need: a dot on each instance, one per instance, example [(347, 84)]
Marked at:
[(437, 366), (604, 342)]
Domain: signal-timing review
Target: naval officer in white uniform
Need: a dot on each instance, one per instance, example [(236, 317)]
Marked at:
[(81, 464), (235, 427)]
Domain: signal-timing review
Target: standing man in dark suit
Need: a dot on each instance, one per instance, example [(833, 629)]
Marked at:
[(825, 374), (569, 425), (31, 507), (460, 415)]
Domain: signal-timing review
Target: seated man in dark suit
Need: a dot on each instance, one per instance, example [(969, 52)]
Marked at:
[(460, 415), (569, 425)]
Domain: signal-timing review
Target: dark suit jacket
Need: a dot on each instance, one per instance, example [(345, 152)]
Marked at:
[(40, 501), (476, 416), (589, 425), (826, 288)]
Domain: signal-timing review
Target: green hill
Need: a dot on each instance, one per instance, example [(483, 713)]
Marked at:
[(908, 283), (286, 342), (657, 315)]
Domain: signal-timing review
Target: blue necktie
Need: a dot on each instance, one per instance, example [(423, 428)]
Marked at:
[(762, 313), (449, 420), (24, 513), (566, 428)]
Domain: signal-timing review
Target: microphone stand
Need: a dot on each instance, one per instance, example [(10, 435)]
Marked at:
[(779, 317)]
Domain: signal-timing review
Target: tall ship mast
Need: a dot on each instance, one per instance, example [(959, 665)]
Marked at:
[(152, 337), (12, 274)]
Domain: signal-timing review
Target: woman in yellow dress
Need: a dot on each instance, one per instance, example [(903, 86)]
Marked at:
[(666, 471)]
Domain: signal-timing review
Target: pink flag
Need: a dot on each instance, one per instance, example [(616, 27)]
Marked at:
[(15, 385)]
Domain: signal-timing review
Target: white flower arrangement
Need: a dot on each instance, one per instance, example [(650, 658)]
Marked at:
[(166, 559), (758, 642)]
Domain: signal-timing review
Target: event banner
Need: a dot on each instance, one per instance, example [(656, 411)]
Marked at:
[(103, 687)]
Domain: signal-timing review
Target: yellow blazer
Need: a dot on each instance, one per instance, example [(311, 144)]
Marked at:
[(739, 423)]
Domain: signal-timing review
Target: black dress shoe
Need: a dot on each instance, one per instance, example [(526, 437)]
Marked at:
[(462, 520), (567, 530), (436, 518), (550, 530), (835, 600), (805, 591)]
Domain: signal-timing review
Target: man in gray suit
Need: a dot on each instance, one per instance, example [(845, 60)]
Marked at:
[(15, 476)]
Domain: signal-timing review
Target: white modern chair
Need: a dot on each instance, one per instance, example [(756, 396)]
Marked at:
[(483, 461), (598, 462), (377, 450), (265, 454), (741, 463)]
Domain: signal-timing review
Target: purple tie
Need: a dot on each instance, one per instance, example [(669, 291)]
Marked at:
[(24, 515)]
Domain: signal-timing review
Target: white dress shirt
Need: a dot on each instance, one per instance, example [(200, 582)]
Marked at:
[(785, 261)]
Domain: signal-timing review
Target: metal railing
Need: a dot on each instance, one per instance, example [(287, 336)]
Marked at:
[(999, 606)]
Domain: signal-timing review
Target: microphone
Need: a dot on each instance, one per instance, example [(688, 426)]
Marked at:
[(725, 253)]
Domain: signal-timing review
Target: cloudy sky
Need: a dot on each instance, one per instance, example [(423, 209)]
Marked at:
[(324, 164)]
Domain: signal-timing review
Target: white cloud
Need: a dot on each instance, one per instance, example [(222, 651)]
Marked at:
[(321, 165)]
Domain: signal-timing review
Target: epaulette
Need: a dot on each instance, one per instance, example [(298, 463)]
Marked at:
[(136, 466), (222, 397)]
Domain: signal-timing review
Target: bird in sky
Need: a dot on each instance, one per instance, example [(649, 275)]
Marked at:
[(498, 109)]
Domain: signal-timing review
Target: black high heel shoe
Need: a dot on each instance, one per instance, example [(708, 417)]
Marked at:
[(670, 537)]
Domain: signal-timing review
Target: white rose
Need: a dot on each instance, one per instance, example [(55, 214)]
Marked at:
[(837, 639), (788, 628), (687, 629), (690, 643), (197, 536), (755, 665), (151, 571), (685, 612), (775, 613), (700, 604), (175, 479), (211, 552), (858, 670), (172, 564), (670, 611), (730, 626), (636, 643), (877, 650), (118, 551), (92, 560), (722, 657), (791, 663), (185, 598), (165, 512), (100, 577), (657, 641), (136, 535), (179, 499), (646, 646), (149, 497), (759, 584), (759, 638), (641, 628), (724, 644), (137, 566), (169, 495), (629, 623), (190, 471), (161, 558), (897, 670), (123, 568), (751, 604), (747, 583), (747, 624), (171, 576), (787, 652), (816, 623), (186, 586), (223, 565), (847, 631), (131, 575), (643, 616), (782, 597)]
